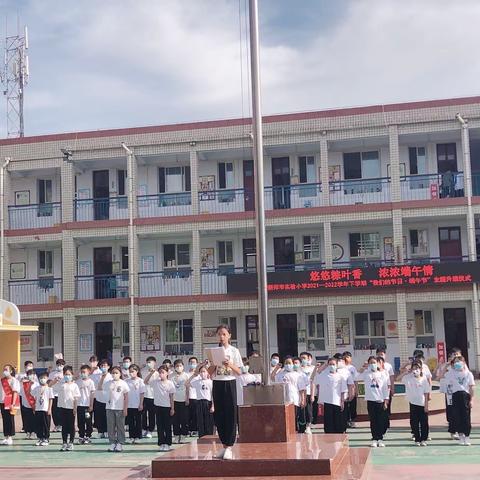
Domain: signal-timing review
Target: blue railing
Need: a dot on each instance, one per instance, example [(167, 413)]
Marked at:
[(422, 260), (97, 287), (39, 215), (112, 208), (303, 195), (358, 191), (432, 186), (165, 205), (35, 292), (363, 263), (226, 200), (167, 283)]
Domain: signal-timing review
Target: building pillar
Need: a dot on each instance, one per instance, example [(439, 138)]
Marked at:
[(70, 338), (402, 326), (332, 347), (197, 279), (327, 245), (6, 271), (67, 175), (197, 333), (394, 154), (398, 243), (324, 171), (69, 262), (194, 181)]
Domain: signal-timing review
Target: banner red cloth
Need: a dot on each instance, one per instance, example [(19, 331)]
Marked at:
[(27, 388), (9, 396)]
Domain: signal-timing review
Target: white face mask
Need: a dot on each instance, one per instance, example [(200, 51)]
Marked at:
[(116, 376), (31, 378), (7, 373), (179, 369), (416, 373), (43, 381)]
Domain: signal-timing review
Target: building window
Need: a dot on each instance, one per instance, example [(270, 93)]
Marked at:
[(124, 253), (369, 330), (45, 263), (232, 323), (225, 252), (316, 332), (225, 175), (424, 329), (44, 191), (176, 255), (45, 342), (417, 160), (121, 178), (419, 242), (447, 157), (179, 337), (364, 245), (306, 167), (361, 165), (311, 248), (249, 254), (174, 179)]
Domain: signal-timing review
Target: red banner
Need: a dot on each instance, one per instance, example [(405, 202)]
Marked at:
[(441, 357)]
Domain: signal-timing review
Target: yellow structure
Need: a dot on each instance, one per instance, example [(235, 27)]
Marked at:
[(10, 330)]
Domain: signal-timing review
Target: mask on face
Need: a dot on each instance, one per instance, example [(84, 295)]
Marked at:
[(43, 381), (304, 362), (116, 376), (179, 369), (309, 363), (245, 368), (289, 367), (68, 378), (416, 373), (84, 375), (59, 368), (104, 369), (151, 364), (274, 362), (192, 366), (204, 375), (28, 367), (126, 365), (332, 368), (373, 367), (341, 364), (7, 373), (458, 366), (31, 378), (296, 366)]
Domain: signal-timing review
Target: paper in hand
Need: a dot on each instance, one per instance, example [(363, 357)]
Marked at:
[(216, 355)]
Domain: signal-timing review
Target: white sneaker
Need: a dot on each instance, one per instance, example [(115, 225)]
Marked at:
[(45, 443), (161, 448), (64, 448), (9, 441), (112, 447), (148, 435), (353, 425), (455, 436), (119, 447), (466, 441), (380, 443), (461, 440), (417, 444), (144, 433), (374, 444), (167, 448), (220, 453), (228, 455), (69, 447), (423, 444), (29, 436), (308, 431), (39, 443), (178, 439)]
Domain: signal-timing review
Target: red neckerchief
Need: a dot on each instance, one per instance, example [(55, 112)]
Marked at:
[(27, 388), (8, 401)]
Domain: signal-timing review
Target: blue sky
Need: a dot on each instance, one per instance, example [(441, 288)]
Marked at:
[(99, 64)]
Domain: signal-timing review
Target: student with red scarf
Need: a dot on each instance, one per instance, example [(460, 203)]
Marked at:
[(29, 382), (9, 402)]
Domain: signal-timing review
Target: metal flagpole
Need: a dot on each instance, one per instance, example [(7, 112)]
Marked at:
[(259, 189)]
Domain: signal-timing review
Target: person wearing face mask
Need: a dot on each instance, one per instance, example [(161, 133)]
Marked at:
[(94, 368), (274, 361), (43, 395), (377, 393), (126, 362), (54, 379), (85, 405), (245, 378), (351, 404), (9, 402), (148, 413), (306, 413), (192, 398), (332, 388), (28, 365), (100, 412), (180, 421), (135, 404), (417, 390), (68, 396), (28, 383), (201, 382), (446, 389), (345, 373), (387, 367)]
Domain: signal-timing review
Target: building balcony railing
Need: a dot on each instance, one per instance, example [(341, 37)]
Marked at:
[(358, 191), (35, 292), (226, 201), (39, 215), (304, 195), (432, 186), (112, 208), (167, 283), (165, 205), (96, 287), (420, 260)]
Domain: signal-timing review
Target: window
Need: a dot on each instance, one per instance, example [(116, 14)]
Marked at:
[(424, 329), (45, 263), (418, 160), (364, 245), (124, 253), (44, 191), (176, 255), (174, 179), (225, 175), (369, 330), (225, 252), (121, 178), (232, 323), (361, 165), (306, 168), (315, 332), (419, 242), (45, 341), (249, 254), (311, 247), (447, 157), (179, 337)]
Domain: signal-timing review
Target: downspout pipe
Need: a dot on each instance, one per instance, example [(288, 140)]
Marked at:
[(3, 167)]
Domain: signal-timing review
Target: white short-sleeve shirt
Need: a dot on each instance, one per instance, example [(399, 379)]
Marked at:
[(192, 392), (14, 385), (23, 395), (67, 394), (376, 386), (179, 380), (100, 395), (295, 382), (42, 395), (161, 392), (56, 375), (87, 390), (137, 387), (460, 381), (115, 391), (148, 388), (331, 387), (203, 388), (416, 388), (234, 355)]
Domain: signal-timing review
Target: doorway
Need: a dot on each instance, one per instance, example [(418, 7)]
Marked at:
[(101, 193), (104, 340), (284, 253), (450, 243), (281, 182), (475, 161), (455, 321), (102, 270), (248, 186), (287, 335), (253, 341), (249, 255)]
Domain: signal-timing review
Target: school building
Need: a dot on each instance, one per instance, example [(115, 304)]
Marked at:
[(372, 216)]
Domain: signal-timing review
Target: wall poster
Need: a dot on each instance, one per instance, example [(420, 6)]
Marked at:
[(150, 338)]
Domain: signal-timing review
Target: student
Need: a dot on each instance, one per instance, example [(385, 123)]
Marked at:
[(94, 372), (135, 403), (28, 383), (446, 389), (28, 365), (43, 395), (201, 382), (345, 373), (180, 420), (307, 368), (54, 379), (85, 405), (274, 361), (351, 405), (225, 392), (463, 387), (126, 362), (168, 363), (68, 396), (332, 388), (376, 394), (100, 412), (94, 368), (192, 398), (245, 378), (417, 390), (381, 352), (9, 402), (148, 414), (163, 392), (116, 396)]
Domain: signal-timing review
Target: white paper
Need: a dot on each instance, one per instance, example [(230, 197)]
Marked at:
[(216, 355)]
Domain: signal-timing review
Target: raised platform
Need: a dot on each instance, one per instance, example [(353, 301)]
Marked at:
[(312, 456)]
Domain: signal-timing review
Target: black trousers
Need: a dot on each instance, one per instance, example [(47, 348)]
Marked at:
[(22, 413), (315, 411), (101, 417), (449, 414), (8, 422), (419, 422), (68, 425), (461, 412), (204, 417), (28, 420), (389, 412), (225, 416), (56, 414), (378, 418), (192, 416), (164, 425), (333, 419), (42, 425), (85, 425), (351, 410), (134, 421), (180, 419), (304, 415), (148, 415), (92, 413)]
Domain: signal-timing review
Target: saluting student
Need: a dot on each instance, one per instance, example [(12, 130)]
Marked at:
[(180, 420), (28, 383), (68, 396), (100, 411), (135, 403), (85, 405), (9, 402), (201, 382), (43, 395), (148, 417)]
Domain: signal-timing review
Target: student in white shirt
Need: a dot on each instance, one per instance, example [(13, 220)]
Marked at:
[(180, 420), (192, 399), (417, 390), (163, 392), (332, 389), (116, 396), (28, 383), (68, 396), (43, 395), (377, 393), (201, 382), (351, 405), (85, 405), (306, 368), (9, 402), (446, 388), (126, 363), (387, 367), (245, 378), (135, 403), (225, 392), (345, 373), (148, 414), (100, 404), (26, 422), (54, 379)]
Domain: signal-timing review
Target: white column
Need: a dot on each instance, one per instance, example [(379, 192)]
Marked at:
[(324, 171), (69, 261), (194, 181), (332, 347), (67, 175), (397, 223), (327, 245), (197, 279), (402, 326), (70, 338), (394, 163), (197, 333)]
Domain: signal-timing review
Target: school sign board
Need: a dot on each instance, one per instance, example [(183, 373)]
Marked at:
[(338, 279)]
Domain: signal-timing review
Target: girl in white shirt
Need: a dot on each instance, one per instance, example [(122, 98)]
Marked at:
[(9, 402), (100, 412), (201, 382), (192, 398), (135, 403), (68, 395), (85, 405), (43, 395), (180, 420), (28, 383), (377, 393), (148, 414)]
